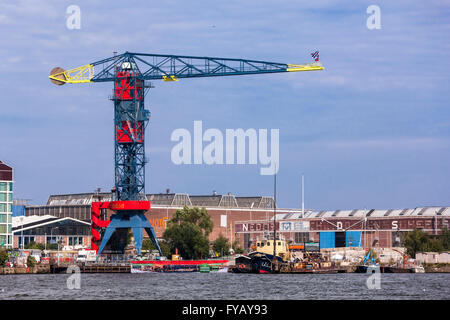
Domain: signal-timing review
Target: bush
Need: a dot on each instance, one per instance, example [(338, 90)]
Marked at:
[(419, 241), (221, 245), (3, 257), (148, 244), (238, 250), (31, 261), (34, 245)]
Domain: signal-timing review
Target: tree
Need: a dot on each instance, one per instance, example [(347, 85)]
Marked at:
[(188, 232), (3, 257), (445, 238), (34, 245), (221, 245), (31, 261), (416, 241), (148, 244), (237, 247), (52, 246)]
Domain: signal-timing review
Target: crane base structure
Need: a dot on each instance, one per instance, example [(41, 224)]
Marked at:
[(128, 215)]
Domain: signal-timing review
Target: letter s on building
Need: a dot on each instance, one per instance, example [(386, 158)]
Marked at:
[(395, 225)]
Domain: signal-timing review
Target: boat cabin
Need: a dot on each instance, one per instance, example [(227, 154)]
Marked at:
[(266, 246)]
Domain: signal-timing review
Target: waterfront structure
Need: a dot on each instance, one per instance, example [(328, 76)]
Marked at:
[(69, 233), (433, 257), (6, 194), (351, 228), (248, 219)]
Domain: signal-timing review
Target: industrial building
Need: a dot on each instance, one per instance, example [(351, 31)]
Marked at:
[(349, 228), (6, 194), (247, 219), (67, 232)]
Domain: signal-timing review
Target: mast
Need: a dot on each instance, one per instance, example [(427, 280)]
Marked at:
[(303, 197), (275, 213)]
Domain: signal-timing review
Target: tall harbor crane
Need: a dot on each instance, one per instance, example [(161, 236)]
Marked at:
[(130, 73)]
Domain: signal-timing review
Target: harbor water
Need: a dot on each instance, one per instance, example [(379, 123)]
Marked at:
[(227, 286)]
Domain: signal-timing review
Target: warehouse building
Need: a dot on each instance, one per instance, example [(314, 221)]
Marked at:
[(67, 232), (248, 219), (348, 228)]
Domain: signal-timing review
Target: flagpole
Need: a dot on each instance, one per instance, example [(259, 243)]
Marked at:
[(303, 197)]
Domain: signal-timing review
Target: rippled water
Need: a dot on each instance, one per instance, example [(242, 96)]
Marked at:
[(225, 286)]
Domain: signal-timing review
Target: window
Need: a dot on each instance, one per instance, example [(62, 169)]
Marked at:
[(3, 218), (3, 196), (10, 185), (2, 207), (301, 237), (3, 186), (257, 244)]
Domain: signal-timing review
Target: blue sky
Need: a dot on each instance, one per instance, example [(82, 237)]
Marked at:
[(371, 131)]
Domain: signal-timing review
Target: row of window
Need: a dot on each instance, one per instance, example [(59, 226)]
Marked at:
[(73, 241), (6, 186), (5, 207), (5, 240), (5, 228), (5, 197), (5, 218)]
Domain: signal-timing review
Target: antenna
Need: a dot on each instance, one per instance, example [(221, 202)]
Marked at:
[(303, 196), (275, 214)]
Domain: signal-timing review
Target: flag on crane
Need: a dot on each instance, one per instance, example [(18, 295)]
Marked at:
[(315, 55)]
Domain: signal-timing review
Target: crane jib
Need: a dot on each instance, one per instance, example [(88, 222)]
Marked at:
[(172, 68)]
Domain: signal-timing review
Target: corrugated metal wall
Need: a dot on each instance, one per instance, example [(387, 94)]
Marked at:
[(327, 240), (353, 239)]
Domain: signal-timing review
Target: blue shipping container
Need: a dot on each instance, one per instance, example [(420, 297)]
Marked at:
[(327, 240), (18, 211), (353, 239)]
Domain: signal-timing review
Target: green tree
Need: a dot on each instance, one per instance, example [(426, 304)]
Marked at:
[(221, 245), (31, 261), (34, 245), (416, 241), (434, 245), (188, 232), (148, 244), (3, 257), (52, 246), (237, 247), (445, 238)]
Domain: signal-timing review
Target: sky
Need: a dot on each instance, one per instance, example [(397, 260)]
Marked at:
[(370, 131)]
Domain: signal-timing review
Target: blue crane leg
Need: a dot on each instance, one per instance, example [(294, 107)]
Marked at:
[(137, 234), (137, 222)]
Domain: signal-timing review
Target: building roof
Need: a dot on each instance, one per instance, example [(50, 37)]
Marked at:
[(169, 199), (372, 213), (6, 172), (25, 223)]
